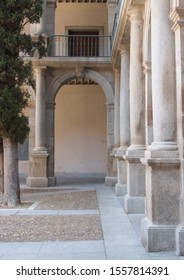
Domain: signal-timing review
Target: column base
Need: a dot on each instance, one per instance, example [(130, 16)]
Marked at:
[(40, 182), (51, 181), (180, 241), (157, 238), (38, 169), (110, 181), (134, 202), (134, 205), (120, 190)]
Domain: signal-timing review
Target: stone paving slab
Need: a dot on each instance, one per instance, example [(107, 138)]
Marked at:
[(70, 250), (120, 239)]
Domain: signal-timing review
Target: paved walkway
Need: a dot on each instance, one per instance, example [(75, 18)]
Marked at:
[(121, 236)]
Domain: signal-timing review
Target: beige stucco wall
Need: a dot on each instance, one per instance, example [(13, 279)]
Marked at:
[(80, 130), (80, 16)]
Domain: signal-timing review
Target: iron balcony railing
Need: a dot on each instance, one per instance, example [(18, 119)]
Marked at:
[(79, 46)]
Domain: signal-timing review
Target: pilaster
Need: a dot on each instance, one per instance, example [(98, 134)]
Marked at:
[(111, 6), (50, 108), (110, 179), (116, 118), (41, 26)]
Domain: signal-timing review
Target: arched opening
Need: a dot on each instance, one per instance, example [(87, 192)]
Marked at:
[(97, 87), (80, 133)]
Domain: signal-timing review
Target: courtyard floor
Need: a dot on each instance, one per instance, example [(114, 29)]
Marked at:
[(72, 222)]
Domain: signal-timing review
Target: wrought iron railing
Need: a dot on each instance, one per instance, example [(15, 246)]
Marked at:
[(79, 46)]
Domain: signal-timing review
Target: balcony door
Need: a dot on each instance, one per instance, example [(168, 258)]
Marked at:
[(83, 43)]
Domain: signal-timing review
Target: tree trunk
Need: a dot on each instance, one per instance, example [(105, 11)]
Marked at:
[(1, 166), (11, 175)]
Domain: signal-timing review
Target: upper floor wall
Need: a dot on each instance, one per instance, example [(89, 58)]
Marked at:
[(81, 16)]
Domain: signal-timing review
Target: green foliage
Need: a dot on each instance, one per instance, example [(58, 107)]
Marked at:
[(15, 71)]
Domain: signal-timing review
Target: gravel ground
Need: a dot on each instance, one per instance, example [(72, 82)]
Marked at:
[(59, 200), (52, 228), (49, 228)]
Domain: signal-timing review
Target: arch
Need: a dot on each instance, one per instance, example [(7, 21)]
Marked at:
[(52, 91), (62, 78)]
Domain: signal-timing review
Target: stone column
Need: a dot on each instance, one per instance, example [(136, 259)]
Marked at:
[(116, 118), (50, 107), (177, 17), (117, 109), (148, 103), (161, 158), (38, 161), (110, 180), (135, 198), (31, 125), (121, 186)]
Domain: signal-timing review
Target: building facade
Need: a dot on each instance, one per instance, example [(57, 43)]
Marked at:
[(109, 104)]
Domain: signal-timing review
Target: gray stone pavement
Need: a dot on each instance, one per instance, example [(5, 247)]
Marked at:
[(121, 235)]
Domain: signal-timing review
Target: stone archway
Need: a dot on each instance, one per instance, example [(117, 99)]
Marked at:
[(56, 84)]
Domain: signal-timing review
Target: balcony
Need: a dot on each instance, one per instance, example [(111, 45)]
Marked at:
[(89, 46)]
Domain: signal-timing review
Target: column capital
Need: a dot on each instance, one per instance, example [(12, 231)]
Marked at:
[(135, 12), (124, 49), (147, 66), (177, 17), (40, 70)]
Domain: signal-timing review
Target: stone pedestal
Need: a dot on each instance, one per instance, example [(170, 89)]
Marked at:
[(180, 240), (121, 186), (134, 202), (38, 170), (162, 200), (157, 237)]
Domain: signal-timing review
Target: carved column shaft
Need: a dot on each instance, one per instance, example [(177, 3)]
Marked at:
[(40, 137)]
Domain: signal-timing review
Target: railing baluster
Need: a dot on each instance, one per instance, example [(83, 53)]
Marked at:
[(79, 45)]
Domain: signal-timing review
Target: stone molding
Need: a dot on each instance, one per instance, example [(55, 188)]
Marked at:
[(177, 17), (61, 80)]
